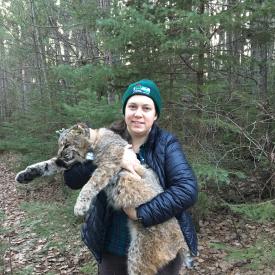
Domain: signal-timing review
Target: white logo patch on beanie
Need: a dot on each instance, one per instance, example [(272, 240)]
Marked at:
[(141, 89)]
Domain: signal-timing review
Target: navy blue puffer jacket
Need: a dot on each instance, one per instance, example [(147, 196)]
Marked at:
[(163, 153)]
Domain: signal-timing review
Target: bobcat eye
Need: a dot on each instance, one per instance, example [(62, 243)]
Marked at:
[(66, 146), (77, 131)]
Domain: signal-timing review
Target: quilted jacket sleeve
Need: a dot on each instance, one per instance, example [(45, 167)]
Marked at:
[(181, 188), (77, 176)]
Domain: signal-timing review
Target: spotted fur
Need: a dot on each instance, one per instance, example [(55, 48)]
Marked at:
[(150, 248)]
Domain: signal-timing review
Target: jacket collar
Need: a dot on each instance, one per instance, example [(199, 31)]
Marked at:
[(152, 136)]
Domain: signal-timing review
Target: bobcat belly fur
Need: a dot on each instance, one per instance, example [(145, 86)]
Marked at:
[(151, 248)]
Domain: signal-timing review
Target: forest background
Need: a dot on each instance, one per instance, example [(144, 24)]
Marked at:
[(68, 61)]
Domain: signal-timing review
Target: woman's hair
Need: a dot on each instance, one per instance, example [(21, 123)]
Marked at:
[(120, 127)]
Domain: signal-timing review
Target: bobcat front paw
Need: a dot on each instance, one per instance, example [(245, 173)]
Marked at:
[(28, 175), (80, 210)]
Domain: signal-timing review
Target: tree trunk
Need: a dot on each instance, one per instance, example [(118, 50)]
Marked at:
[(39, 52), (23, 88), (3, 99), (3, 86), (108, 58), (259, 55), (201, 61)]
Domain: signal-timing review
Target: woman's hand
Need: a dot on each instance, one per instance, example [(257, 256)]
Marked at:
[(131, 213), (130, 161)]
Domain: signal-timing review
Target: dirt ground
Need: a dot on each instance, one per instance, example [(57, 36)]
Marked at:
[(22, 246)]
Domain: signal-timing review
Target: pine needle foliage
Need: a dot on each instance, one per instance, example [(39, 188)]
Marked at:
[(208, 174), (212, 62), (261, 212)]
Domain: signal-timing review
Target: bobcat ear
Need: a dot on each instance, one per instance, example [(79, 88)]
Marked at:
[(83, 125), (78, 128), (83, 128)]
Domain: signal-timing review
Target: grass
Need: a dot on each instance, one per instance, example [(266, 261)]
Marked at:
[(2, 217), (89, 268), (258, 256), (3, 248), (261, 253), (45, 218), (55, 223), (49, 224), (28, 270), (3, 245)]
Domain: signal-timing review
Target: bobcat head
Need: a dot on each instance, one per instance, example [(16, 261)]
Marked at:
[(73, 145)]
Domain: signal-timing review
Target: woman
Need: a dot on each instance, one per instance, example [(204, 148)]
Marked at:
[(105, 230)]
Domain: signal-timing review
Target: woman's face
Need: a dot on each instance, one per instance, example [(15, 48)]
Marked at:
[(140, 114)]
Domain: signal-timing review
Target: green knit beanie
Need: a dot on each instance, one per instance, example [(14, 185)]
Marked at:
[(143, 87)]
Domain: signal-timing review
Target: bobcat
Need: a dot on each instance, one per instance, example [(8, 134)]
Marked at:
[(150, 248)]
